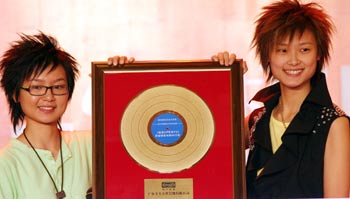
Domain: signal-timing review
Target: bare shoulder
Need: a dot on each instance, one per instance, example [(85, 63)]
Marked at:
[(339, 132), (340, 126)]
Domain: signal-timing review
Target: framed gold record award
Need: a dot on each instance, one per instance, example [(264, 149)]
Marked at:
[(168, 130)]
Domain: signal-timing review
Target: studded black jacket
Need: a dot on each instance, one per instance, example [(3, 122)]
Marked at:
[(296, 169)]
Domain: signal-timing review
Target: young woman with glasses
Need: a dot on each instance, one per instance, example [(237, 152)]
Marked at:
[(38, 78)]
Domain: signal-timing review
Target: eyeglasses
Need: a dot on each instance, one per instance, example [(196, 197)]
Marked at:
[(37, 90)]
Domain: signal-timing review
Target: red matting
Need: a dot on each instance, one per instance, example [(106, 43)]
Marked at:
[(212, 176)]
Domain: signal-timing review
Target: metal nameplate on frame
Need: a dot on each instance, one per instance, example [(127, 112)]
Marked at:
[(169, 188)]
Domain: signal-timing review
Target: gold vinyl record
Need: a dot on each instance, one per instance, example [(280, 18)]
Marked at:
[(167, 128)]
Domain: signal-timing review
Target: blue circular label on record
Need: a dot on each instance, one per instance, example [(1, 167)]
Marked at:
[(167, 128)]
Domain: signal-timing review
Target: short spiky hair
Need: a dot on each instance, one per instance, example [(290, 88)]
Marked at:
[(287, 18), (28, 57)]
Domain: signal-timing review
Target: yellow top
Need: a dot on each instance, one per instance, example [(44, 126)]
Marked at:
[(276, 131), (277, 128)]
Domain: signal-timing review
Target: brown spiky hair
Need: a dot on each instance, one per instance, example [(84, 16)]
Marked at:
[(285, 18)]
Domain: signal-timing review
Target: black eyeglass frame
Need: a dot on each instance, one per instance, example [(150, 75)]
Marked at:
[(47, 88)]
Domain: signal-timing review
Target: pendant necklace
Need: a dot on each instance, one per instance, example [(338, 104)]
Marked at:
[(59, 194)]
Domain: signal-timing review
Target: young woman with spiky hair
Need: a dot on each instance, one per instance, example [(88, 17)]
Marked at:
[(299, 140), (38, 78)]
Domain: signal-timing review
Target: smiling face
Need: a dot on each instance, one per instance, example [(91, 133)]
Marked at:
[(293, 61), (49, 108)]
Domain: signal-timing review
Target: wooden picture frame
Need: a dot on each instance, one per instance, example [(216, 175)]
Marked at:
[(219, 172)]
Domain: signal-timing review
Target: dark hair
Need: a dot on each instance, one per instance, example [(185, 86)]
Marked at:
[(28, 57), (287, 18)]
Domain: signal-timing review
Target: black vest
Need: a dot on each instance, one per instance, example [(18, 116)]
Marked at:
[(296, 169)]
